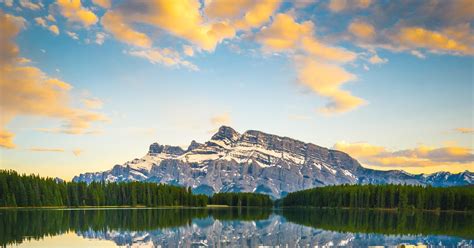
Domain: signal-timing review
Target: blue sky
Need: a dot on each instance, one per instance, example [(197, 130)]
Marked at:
[(394, 90)]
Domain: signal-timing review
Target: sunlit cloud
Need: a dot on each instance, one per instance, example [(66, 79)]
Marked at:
[(460, 158), (166, 56), (92, 103), (77, 152), (362, 29), (43, 149), (28, 91), (54, 29), (75, 12), (465, 130), (30, 5), (103, 3), (343, 5), (223, 119), (317, 64)]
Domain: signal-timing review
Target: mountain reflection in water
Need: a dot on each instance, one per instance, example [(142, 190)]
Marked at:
[(240, 227)]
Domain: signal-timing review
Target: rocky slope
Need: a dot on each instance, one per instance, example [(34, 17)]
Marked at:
[(257, 162)]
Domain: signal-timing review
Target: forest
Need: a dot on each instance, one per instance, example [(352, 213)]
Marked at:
[(384, 196), (241, 199), (34, 191)]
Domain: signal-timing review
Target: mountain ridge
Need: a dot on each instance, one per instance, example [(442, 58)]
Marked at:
[(255, 161)]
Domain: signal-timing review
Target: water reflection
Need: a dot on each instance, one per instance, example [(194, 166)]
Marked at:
[(244, 227)]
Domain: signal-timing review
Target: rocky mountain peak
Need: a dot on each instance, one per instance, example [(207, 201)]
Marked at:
[(156, 148), (226, 133), (258, 162), (193, 145)]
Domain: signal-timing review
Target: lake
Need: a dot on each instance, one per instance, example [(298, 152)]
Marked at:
[(234, 227)]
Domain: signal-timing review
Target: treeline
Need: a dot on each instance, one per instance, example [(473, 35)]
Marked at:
[(404, 222), (384, 196), (241, 200), (18, 225), (33, 191)]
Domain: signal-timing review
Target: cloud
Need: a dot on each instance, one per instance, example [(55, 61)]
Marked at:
[(318, 65), (73, 35), (417, 54), (362, 29), (75, 12), (42, 149), (438, 27), (77, 152), (28, 91), (343, 5), (222, 8), (165, 56), (202, 31), (464, 130), (422, 156), (188, 50), (326, 80), (92, 103), (8, 3), (100, 38), (221, 119), (51, 18), (103, 3), (30, 5), (375, 59), (40, 21), (418, 37), (115, 24), (284, 33), (54, 29)]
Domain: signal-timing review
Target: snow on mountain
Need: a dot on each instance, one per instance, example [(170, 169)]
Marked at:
[(257, 162)]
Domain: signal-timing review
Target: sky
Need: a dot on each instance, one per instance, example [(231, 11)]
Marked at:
[(85, 85)]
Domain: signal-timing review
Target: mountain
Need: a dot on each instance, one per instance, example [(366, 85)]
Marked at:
[(258, 162)]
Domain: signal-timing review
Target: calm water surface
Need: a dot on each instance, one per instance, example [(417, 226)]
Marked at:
[(232, 227)]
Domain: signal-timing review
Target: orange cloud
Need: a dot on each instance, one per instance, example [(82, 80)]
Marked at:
[(222, 119), (418, 37), (326, 80), (284, 33), (342, 5), (226, 9), (417, 159), (103, 3), (203, 31), (115, 24), (464, 130), (77, 152), (362, 29), (26, 90), (75, 12), (317, 63), (92, 103), (42, 149), (54, 29)]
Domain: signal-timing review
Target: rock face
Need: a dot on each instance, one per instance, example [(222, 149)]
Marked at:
[(257, 162)]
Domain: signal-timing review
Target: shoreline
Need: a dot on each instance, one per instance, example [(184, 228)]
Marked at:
[(381, 209), (227, 206)]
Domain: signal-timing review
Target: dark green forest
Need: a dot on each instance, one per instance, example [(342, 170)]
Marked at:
[(33, 191), (35, 224), (384, 196), (241, 199), (403, 222)]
